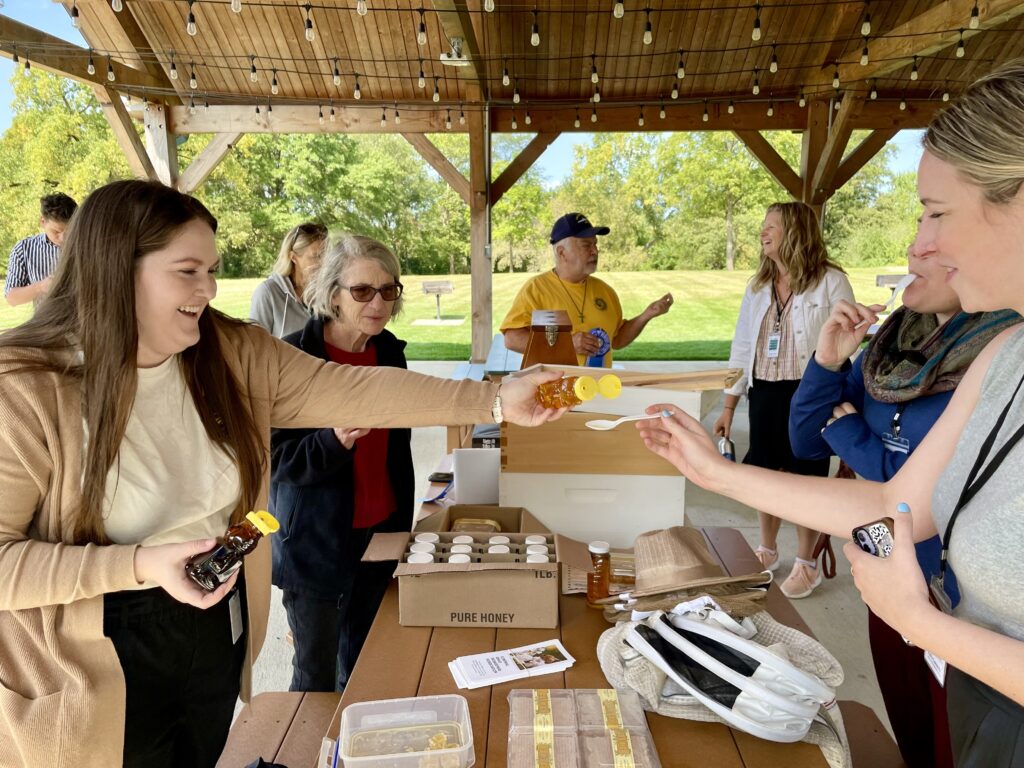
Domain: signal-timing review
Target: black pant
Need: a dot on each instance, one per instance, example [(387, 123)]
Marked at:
[(985, 727), (181, 674), (329, 632)]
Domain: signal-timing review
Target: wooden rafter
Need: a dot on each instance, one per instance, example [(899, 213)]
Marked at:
[(457, 22), (918, 37), (38, 47), (203, 164), (835, 145), (429, 152), (160, 144), (124, 130), (813, 145), (859, 157), (771, 161), (521, 164), (480, 234)]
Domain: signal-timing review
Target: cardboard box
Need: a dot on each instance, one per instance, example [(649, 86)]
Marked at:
[(494, 594), (511, 519)]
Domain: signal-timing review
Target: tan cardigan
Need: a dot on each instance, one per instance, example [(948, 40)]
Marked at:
[(62, 694)]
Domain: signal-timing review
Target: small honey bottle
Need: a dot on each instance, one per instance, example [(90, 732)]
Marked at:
[(211, 569), (566, 392), (599, 579)]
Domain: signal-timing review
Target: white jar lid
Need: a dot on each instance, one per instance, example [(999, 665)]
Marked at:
[(461, 549), (498, 540), (462, 539), (421, 547), (498, 549), (536, 539), (599, 547), (537, 549), (429, 538), (420, 557), (456, 559), (537, 558)]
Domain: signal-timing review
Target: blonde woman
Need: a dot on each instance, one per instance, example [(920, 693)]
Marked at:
[(963, 483), (786, 303), (277, 302)]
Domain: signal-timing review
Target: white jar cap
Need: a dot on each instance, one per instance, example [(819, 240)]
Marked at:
[(421, 546), (456, 559), (429, 538), (420, 557), (462, 539), (499, 539), (461, 549), (536, 539), (599, 547), (536, 549), (498, 549), (532, 558)]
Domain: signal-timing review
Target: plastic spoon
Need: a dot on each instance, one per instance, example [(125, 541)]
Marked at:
[(896, 291), (604, 424)]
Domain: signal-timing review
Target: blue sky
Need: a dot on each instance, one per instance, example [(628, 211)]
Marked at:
[(555, 163)]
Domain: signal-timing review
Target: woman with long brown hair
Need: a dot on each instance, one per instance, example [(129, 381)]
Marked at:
[(134, 427), (788, 299)]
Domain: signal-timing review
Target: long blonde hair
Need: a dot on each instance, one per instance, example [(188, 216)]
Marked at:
[(980, 133), (802, 250), (91, 309), (298, 238)]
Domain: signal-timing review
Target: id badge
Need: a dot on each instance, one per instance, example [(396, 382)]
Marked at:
[(895, 444), (774, 342), (936, 666), (235, 609), (939, 597)]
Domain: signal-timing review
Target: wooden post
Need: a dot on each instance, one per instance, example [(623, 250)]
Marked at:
[(202, 165), (815, 136), (125, 133), (480, 231), (160, 144)]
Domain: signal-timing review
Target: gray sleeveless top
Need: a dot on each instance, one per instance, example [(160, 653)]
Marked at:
[(987, 548)]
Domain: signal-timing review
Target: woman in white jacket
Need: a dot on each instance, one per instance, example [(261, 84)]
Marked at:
[(786, 302)]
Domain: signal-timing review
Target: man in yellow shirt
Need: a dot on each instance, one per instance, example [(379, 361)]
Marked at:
[(593, 306)]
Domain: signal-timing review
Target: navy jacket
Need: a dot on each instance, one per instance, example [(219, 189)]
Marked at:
[(311, 489), (857, 438)]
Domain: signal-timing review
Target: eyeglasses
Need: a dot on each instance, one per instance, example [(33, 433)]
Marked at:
[(365, 293)]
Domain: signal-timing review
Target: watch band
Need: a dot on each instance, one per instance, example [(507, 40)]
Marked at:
[(496, 407)]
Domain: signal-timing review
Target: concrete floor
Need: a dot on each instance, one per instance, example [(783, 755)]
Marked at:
[(834, 611)]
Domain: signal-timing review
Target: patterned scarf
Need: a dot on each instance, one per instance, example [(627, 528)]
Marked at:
[(912, 356)]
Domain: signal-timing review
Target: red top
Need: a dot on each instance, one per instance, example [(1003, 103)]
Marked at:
[(373, 496)]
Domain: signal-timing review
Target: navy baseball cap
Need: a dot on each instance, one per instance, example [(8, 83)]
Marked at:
[(575, 225)]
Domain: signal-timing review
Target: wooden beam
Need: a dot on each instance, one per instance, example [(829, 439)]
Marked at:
[(160, 144), (457, 22), (202, 165), (440, 163), (305, 119), (54, 55), (859, 157), (521, 164), (123, 128), (917, 37), (480, 233), (771, 161), (835, 145), (819, 113)]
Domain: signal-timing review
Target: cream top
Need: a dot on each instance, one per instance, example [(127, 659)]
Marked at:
[(170, 483)]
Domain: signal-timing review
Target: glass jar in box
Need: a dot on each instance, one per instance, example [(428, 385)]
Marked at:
[(420, 732)]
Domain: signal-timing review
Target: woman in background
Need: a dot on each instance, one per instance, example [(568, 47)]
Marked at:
[(277, 302)]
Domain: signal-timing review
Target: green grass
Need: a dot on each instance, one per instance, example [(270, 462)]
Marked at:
[(699, 327)]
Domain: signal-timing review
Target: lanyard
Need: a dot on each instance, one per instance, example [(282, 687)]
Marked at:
[(779, 309), (895, 427), (976, 481)]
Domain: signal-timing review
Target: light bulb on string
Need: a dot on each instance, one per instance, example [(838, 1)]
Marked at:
[(576, 122), (504, 76), (960, 50), (421, 81), (320, 115), (90, 67), (593, 116), (835, 78), (437, 91), (975, 18), (191, 105), (448, 120), (618, 10), (192, 82), (837, 103), (648, 30), (190, 24), (873, 95), (535, 32), (527, 119), (661, 112), (236, 6), (110, 70), (640, 120), (681, 69), (274, 89), (755, 33), (771, 108), (174, 69), (515, 125), (27, 69), (864, 54), (774, 66), (597, 95), (515, 95), (398, 118), (15, 59), (357, 93), (270, 107), (903, 105), (257, 109), (337, 74), (253, 76), (383, 118), (421, 33), (331, 114), (462, 116), (757, 83), (802, 101), (310, 35), (117, 5), (913, 70), (489, 6), (75, 21), (865, 27), (593, 69), (945, 94), (705, 117), (731, 108), (361, 7), (675, 91)]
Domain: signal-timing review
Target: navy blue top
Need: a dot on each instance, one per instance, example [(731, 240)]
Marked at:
[(312, 490), (857, 439)]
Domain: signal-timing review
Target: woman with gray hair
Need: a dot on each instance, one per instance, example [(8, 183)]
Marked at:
[(333, 488), (277, 302)]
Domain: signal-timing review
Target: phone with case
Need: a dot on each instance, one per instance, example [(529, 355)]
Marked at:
[(875, 538)]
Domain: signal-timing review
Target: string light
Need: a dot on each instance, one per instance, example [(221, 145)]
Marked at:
[(774, 66), (190, 24), (535, 32), (593, 115), (755, 33), (236, 6), (618, 11), (838, 101), (975, 18), (74, 14), (648, 32), (357, 94), (192, 82), (489, 6), (398, 118), (675, 91), (90, 67), (273, 84), (331, 113), (960, 50), (27, 69), (257, 109), (757, 83), (448, 120), (874, 92), (515, 94), (945, 93), (421, 81), (731, 108), (802, 101), (15, 58), (597, 95), (681, 69), (771, 108), (437, 91), (117, 5), (421, 34), (361, 7), (864, 54), (383, 118), (527, 119), (270, 107), (110, 70), (310, 35), (913, 70), (174, 69), (462, 116), (253, 76), (903, 105), (661, 112), (191, 105), (640, 120), (835, 78), (593, 69), (705, 117), (515, 125), (337, 74), (320, 117), (865, 27), (576, 122)]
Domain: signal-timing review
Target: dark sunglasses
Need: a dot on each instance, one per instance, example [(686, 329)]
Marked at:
[(365, 293)]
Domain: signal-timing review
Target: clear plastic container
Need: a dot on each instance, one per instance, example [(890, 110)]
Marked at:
[(523, 753), (598, 748), (521, 714), (591, 709), (421, 732)]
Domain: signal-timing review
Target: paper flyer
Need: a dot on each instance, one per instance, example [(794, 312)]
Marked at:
[(483, 669)]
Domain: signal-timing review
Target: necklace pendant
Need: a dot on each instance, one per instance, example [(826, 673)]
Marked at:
[(581, 317)]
